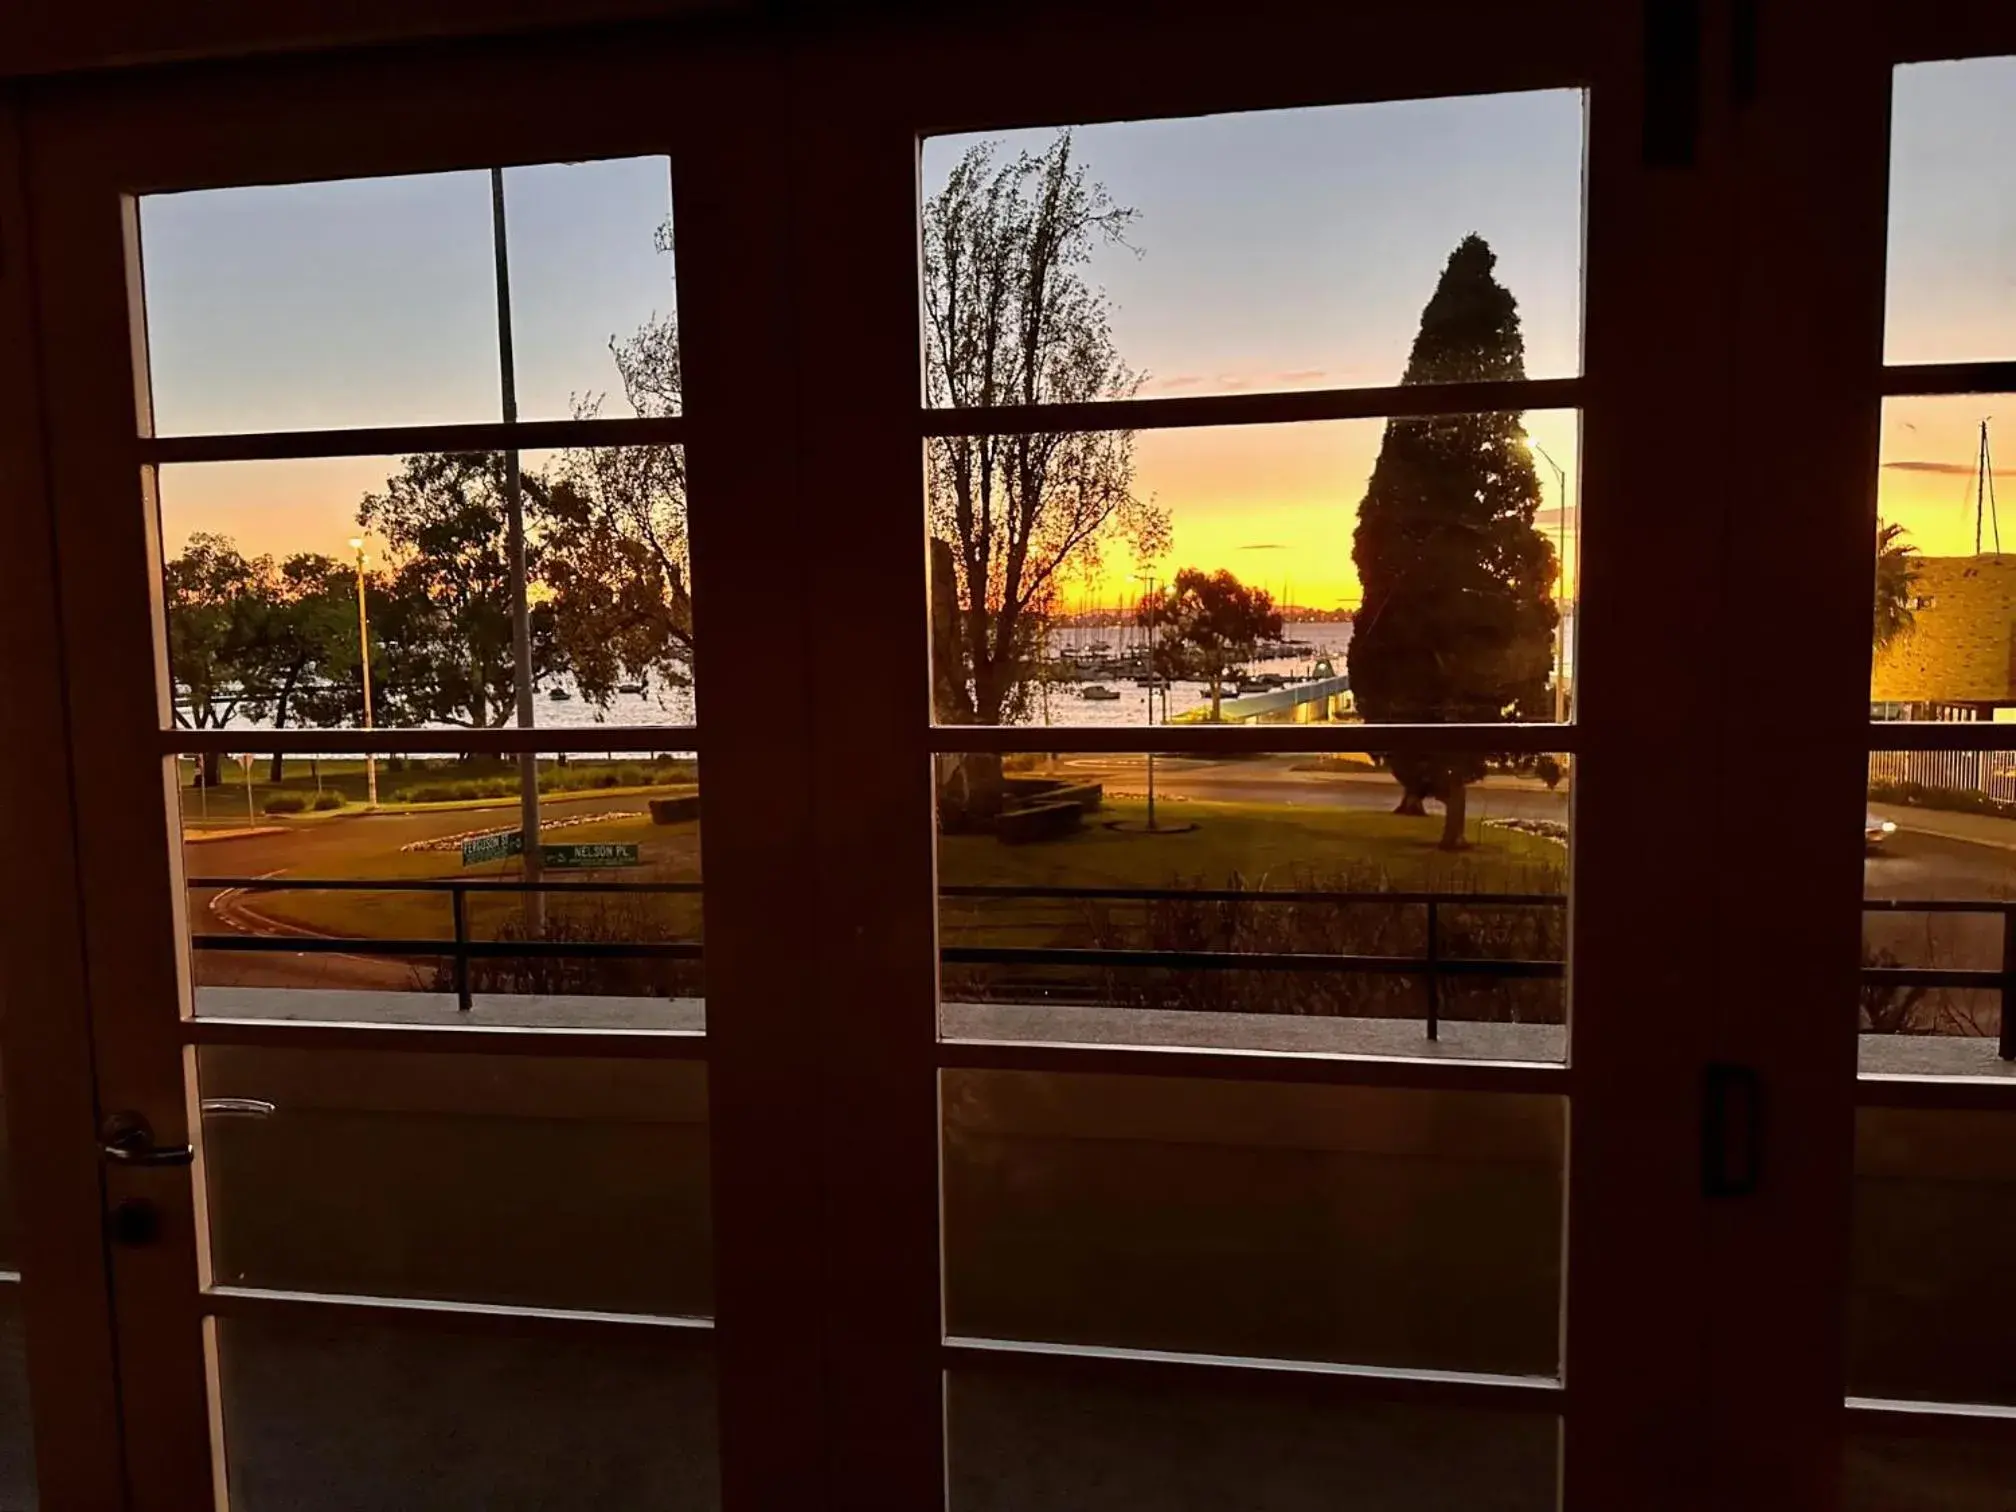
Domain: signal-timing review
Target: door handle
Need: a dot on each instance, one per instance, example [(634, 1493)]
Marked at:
[(128, 1140), (237, 1107), (1732, 1130)]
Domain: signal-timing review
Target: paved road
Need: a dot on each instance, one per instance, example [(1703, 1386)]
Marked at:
[(1916, 865), (1283, 779)]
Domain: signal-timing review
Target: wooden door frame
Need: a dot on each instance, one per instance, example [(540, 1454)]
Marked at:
[(96, 144), (1634, 1360), (1801, 427), (45, 1033)]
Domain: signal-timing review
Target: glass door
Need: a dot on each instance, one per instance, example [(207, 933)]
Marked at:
[(1869, 977), (381, 437), (1164, 584), (1264, 1022)]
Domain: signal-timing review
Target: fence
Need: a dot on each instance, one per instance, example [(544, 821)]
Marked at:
[(1433, 965), (1992, 773)]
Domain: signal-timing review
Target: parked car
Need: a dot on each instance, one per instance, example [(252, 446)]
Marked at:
[(1875, 831)]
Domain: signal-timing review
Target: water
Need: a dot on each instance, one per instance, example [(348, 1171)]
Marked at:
[(1058, 704), (1067, 704)]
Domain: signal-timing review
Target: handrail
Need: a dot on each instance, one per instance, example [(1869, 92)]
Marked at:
[(1432, 964)]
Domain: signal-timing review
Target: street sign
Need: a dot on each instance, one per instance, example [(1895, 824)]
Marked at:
[(576, 857), (246, 760), (492, 847)]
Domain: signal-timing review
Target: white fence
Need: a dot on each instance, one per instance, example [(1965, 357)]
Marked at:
[(1989, 772)]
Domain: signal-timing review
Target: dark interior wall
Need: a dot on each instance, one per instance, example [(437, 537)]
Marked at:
[(41, 37)]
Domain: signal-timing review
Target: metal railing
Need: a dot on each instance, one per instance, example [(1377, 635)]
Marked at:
[(2002, 981), (1433, 965), (459, 948)]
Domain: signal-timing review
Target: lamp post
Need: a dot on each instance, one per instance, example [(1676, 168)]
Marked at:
[(1149, 579), (521, 622), (364, 662), (1560, 578)]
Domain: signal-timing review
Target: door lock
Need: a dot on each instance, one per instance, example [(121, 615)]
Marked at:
[(128, 1140)]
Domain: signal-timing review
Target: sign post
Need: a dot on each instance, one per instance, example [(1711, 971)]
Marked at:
[(245, 761)]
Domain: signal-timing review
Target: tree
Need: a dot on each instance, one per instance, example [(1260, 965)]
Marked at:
[(446, 628), (1457, 619), (1010, 319), (307, 624), (1896, 585), (1206, 623), (613, 535), (216, 596)]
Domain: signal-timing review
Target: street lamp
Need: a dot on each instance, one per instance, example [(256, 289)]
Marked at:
[(364, 661), (1560, 578), (1149, 579)]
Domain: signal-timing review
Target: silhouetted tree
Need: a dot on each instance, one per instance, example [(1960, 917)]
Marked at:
[(1010, 319), (446, 629), (1206, 623), (1896, 585), (1457, 619), (216, 596)]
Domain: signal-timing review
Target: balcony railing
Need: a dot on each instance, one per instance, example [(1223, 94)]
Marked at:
[(1434, 965)]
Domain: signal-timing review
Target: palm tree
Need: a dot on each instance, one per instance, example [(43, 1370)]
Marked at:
[(1896, 580)]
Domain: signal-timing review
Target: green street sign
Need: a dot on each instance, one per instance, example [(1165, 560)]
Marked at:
[(564, 857), (492, 847)]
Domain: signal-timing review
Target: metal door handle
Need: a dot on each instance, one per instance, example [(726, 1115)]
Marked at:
[(237, 1107), (128, 1139)]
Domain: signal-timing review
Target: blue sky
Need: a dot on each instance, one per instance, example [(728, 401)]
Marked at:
[(1286, 249), (373, 301)]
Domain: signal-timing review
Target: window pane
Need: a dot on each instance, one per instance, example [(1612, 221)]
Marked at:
[(1249, 557), (1945, 602), (306, 902), (1952, 212), (1894, 1474), (1259, 902), (374, 301), (593, 320), (1020, 1445), (337, 1415), (1373, 1227), (498, 1179), (1935, 1243), (317, 306), (1285, 249), (262, 574), (1940, 894)]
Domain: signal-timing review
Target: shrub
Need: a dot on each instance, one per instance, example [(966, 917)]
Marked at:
[(327, 799), (1957, 800), (674, 810), (286, 803), (1256, 920), (601, 920)]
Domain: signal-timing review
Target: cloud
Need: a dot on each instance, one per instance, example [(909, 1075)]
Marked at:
[(1949, 469), (1302, 375), (1265, 546), (1181, 380)]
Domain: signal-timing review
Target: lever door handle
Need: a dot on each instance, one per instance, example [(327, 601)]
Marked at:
[(128, 1140), (237, 1107)]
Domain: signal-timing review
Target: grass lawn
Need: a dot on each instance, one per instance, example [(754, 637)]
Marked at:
[(1274, 845), (667, 853), (413, 784)]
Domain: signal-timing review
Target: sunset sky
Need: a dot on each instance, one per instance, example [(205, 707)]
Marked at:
[(1289, 249)]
